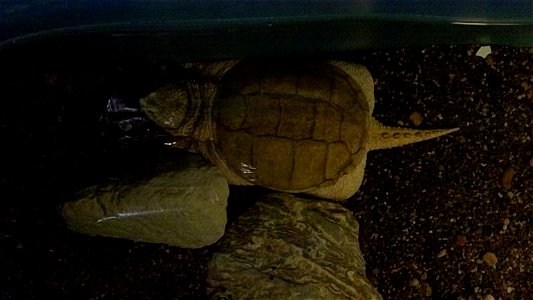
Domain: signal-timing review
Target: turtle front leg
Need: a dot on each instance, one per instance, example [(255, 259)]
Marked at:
[(214, 70), (210, 152)]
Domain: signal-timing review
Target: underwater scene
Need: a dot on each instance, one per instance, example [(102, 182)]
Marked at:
[(151, 178)]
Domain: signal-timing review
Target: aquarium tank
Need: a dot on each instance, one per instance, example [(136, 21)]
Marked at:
[(246, 149)]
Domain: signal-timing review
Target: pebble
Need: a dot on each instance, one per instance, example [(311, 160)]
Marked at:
[(461, 240), (424, 276), (441, 253), (489, 297), (506, 221), (483, 51), (490, 258), (427, 290), (414, 282), (416, 118), (507, 178)]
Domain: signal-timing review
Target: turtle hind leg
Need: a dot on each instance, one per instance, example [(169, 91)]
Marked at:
[(362, 77), (345, 187)]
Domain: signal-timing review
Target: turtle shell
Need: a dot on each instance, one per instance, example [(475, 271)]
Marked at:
[(290, 126)]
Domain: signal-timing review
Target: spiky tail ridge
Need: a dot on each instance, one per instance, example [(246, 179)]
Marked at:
[(383, 137)]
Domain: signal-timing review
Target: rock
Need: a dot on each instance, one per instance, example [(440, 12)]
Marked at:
[(287, 247), (506, 179), (424, 276), (461, 240), (414, 282), (506, 223), (490, 258), (416, 118), (441, 253), (184, 208), (426, 288)]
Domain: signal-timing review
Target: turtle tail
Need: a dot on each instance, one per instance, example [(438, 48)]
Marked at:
[(383, 137)]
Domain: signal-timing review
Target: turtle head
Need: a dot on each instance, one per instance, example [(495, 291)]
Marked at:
[(175, 108)]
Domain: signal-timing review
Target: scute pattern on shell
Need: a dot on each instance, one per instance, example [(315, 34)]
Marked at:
[(295, 126)]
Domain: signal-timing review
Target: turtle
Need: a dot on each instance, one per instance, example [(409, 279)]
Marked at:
[(291, 126)]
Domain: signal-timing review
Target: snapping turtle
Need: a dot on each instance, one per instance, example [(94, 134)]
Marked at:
[(288, 126)]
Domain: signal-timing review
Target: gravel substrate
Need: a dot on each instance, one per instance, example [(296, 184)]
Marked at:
[(436, 216), (450, 218)]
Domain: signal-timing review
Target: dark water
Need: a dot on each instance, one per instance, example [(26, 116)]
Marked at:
[(57, 137)]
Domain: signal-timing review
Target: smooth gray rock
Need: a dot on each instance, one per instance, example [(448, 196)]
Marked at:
[(287, 247), (184, 208)]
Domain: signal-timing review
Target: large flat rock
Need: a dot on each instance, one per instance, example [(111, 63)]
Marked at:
[(184, 208), (287, 247)]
